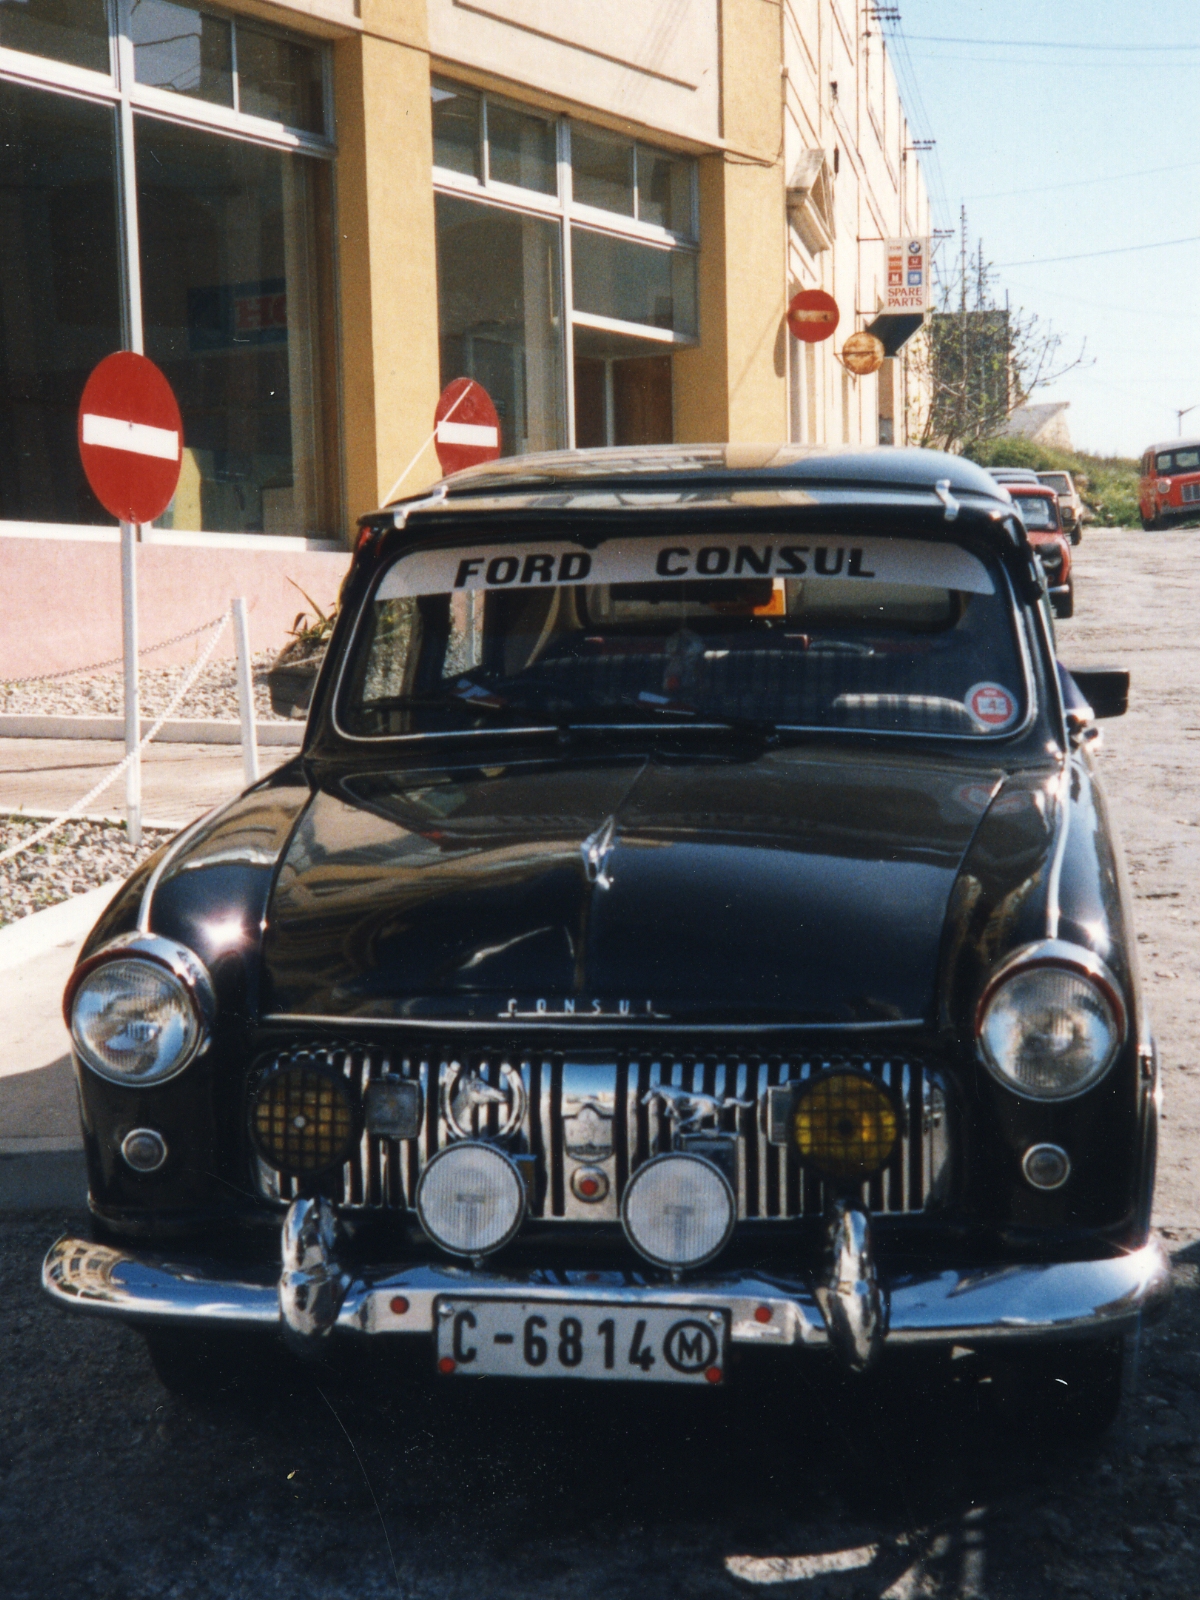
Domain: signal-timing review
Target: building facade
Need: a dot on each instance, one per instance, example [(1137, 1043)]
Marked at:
[(312, 214)]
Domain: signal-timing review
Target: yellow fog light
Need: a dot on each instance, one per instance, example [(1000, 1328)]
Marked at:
[(846, 1125), (304, 1120)]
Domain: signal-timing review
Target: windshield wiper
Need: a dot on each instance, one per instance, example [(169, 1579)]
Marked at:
[(678, 713)]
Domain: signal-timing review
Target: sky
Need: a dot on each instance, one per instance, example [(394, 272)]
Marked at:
[(1068, 127)]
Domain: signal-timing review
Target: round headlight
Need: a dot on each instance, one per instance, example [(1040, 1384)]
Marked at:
[(846, 1125), (1051, 1022), (304, 1119), (140, 1014), (471, 1199), (678, 1211)]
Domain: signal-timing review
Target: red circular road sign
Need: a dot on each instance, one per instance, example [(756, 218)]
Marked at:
[(466, 429), (130, 437), (812, 315)]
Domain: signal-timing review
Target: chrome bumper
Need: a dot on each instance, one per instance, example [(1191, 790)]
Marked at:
[(1067, 1299)]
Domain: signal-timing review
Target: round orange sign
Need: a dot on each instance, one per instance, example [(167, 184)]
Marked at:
[(862, 354)]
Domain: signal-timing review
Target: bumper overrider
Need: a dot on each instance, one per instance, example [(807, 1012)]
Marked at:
[(850, 1307)]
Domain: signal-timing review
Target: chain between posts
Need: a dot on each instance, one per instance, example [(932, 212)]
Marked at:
[(114, 661), (111, 777)]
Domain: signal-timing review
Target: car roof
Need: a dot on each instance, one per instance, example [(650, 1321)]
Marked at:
[(1174, 444), (1007, 475), (719, 467)]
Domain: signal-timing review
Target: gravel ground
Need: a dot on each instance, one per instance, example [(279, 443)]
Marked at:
[(922, 1484), (100, 694), (80, 856)]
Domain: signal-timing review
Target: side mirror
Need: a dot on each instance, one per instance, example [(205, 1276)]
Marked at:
[(1104, 689)]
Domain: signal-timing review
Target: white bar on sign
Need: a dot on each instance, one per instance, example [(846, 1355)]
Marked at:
[(466, 433), (114, 433)]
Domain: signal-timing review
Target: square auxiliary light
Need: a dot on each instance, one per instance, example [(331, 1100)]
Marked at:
[(393, 1108)]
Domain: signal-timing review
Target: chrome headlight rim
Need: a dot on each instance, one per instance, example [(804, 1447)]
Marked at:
[(635, 1178), (1062, 956), (448, 1152), (184, 965)]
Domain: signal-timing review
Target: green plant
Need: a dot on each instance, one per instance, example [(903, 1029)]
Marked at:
[(309, 637), (1107, 484)]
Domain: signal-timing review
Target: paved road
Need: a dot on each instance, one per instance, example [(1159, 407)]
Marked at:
[(340, 1484)]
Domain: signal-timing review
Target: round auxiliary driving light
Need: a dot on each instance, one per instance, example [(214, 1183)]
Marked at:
[(678, 1211), (1051, 1021), (144, 1149), (846, 1126), (470, 1199), (304, 1119), (140, 1010), (1046, 1166)]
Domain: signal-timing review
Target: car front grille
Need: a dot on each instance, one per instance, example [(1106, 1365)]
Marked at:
[(597, 1109), (1189, 492)]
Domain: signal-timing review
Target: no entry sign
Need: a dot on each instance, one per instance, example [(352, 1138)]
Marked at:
[(130, 437), (812, 315), (466, 429)]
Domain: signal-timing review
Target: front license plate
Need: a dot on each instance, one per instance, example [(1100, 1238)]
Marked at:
[(566, 1339)]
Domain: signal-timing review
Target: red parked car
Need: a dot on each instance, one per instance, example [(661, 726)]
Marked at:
[(1042, 517), (1169, 486)]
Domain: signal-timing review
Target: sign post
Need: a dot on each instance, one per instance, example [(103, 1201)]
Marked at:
[(131, 447)]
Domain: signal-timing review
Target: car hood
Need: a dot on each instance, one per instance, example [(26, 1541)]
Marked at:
[(798, 885)]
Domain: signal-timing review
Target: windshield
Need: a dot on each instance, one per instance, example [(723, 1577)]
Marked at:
[(1058, 481), (1169, 461), (884, 635), (1038, 512)]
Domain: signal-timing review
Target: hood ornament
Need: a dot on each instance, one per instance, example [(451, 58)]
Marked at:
[(688, 1109), (464, 1092), (596, 849)]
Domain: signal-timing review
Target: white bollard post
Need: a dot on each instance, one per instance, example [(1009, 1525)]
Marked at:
[(129, 647), (245, 690)]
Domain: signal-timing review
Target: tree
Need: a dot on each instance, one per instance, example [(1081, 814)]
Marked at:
[(979, 362)]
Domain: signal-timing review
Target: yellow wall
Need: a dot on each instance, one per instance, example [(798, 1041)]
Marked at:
[(387, 258), (734, 386)]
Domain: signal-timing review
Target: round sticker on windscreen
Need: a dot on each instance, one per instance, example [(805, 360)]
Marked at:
[(992, 706)]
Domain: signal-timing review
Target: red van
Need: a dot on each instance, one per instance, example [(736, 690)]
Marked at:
[(1169, 486)]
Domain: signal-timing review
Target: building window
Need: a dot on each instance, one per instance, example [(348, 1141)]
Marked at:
[(499, 299), (230, 287), (73, 31), (60, 294), (581, 355), (229, 307)]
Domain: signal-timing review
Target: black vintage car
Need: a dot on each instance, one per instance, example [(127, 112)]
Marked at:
[(692, 927)]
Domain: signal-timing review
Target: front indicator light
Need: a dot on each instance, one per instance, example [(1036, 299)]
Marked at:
[(846, 1126), (471, 1199), (1050, 1023), (678, 1211), (304, 1119)]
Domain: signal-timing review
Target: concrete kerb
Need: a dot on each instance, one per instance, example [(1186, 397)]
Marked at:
[(184, 730), (37, 1173)]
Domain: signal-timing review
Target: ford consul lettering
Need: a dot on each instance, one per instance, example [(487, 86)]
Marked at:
[(690, 935)]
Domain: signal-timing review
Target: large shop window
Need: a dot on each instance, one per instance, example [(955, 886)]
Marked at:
[(212, 250), (60, 303), (230, 298), (514, 187), (500, 320)]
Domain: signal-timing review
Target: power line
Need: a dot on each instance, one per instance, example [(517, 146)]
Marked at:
[(1088, 255), (1082, 183), (1054, 44)]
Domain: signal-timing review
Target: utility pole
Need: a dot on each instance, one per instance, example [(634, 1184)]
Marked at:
[(962, 318), (1180, 413)]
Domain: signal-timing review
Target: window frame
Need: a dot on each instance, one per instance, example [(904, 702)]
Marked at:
[(567, 212), (120, 90)]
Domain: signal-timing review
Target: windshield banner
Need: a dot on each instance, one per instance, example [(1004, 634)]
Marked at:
[(911, 562)]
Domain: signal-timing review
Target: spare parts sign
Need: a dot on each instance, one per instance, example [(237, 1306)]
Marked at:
[(907, 274)]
